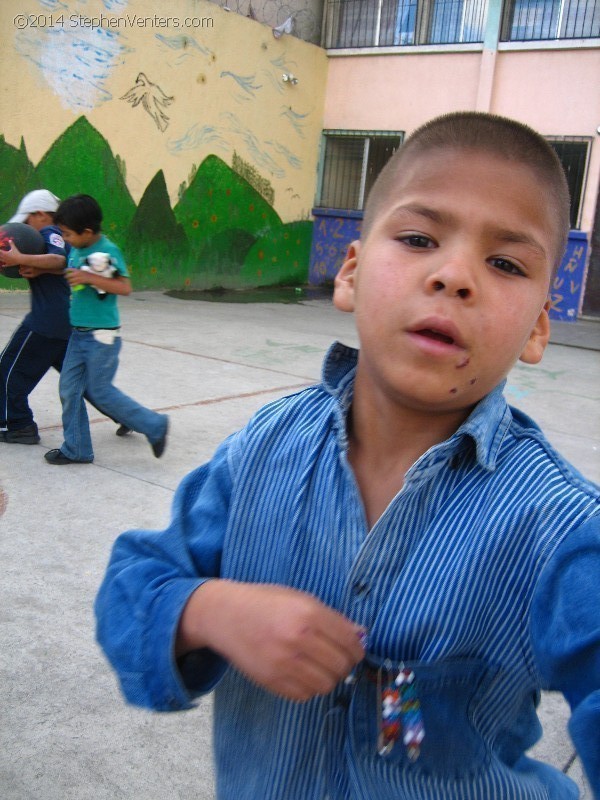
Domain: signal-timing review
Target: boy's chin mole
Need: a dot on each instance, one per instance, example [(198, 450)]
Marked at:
[(454, 389)]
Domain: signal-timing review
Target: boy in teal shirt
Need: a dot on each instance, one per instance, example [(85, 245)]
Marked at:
[(92, 356)]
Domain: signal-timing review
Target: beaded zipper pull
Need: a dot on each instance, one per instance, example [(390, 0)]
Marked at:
[(410, 710), (388, 697), (399, 711)]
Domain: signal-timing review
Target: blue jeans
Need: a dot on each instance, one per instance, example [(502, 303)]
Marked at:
[(90, 366)]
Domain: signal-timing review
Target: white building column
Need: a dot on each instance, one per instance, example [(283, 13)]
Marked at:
[(487, 68)]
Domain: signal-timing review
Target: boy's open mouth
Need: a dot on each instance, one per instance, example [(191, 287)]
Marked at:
[(437, 335)]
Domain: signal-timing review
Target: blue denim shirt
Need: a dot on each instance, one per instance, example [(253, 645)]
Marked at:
[(481, 575)]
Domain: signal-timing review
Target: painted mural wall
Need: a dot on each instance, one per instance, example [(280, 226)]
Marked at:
[(196, 129)]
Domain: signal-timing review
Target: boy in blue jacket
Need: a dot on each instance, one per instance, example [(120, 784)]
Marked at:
[(40, 341), (379, 575)]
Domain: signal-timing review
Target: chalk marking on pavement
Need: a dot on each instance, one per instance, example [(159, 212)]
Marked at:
[(208, 402), (221, 360)]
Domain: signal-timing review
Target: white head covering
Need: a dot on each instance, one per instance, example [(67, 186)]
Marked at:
[(38, 200)]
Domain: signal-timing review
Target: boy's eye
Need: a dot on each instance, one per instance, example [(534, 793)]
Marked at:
[(416, 240), (506, 266)]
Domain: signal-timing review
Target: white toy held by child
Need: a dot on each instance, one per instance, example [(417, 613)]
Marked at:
[(98, 264)]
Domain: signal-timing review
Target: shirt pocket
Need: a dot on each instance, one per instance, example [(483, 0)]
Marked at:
[(449, 694)]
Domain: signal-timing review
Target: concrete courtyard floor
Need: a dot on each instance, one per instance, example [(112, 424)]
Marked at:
[(65, 733)]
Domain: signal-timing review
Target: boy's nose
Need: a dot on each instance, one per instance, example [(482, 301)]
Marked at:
[(453, 278)]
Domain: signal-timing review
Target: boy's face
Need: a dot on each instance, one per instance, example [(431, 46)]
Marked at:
[(79, 240), (39, 220), (449, 287)]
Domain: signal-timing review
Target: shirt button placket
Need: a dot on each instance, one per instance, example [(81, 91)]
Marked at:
[(360, 588)]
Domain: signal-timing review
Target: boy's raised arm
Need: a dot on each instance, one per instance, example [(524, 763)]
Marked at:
[(162, 599), (284, 640), (566, 638), (52, 262), (148, 582)]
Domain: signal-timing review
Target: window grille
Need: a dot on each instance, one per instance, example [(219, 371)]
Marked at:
[(535, 20), (352, 160), (574, 154), (385, 23)]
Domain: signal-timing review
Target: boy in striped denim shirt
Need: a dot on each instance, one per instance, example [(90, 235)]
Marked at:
[(379, 575)]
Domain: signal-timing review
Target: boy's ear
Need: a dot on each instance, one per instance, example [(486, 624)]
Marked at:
[(344, 284), (538, 338)]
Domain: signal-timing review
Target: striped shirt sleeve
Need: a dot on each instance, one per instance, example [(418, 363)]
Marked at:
[(566, 637)]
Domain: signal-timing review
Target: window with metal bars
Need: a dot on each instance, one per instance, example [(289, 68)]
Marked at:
[(384, 23), (536, 20), (574, 154), (352, 160)]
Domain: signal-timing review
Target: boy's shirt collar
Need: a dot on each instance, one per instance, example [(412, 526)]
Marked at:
[(93, 246), (485, 427)]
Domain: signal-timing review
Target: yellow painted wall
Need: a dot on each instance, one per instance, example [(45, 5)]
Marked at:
[(166, 85), (225, 81)]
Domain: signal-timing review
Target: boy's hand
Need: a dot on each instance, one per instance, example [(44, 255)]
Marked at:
[(284, 640), (11, 257), (30, 272), (76, 277)]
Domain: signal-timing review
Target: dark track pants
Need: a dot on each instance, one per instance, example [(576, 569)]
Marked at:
[(23, 363)]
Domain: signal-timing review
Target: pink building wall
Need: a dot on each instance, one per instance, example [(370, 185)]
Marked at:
[(553, 90)]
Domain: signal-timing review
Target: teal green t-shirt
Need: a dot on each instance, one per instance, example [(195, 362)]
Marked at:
[(88, 308)]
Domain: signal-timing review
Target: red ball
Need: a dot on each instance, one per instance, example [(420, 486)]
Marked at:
[(26, 239)]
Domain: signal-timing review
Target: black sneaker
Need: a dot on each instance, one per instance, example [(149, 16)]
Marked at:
[(27, 435), (123, 430), (158, 448), (58, 457)]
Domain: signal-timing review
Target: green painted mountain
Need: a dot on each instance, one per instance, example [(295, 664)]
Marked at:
[(154, 217), (279, 257), (222, 232), (155, 243), (217, 199), (81, 160), (221, 259), (18, 177)]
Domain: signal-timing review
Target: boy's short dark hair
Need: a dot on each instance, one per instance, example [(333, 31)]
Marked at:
[(499, 136), (79, 213)]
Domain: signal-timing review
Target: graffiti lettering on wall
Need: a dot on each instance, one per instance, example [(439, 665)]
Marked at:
[(331, 237), (567, 286), (152, 99), (334, 230), (221, 232)]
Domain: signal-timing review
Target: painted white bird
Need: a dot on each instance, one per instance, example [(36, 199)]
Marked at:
[(152, 98), (285, 27)]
